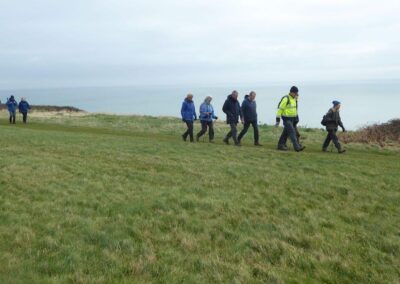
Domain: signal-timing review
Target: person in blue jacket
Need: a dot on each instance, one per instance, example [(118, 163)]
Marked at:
[(188, 112), (24, 107), (11, 107), (207, 116)]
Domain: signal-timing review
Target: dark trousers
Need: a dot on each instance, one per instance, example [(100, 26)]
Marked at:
[(246, 127), (289, 131), (24, 116), (189, 131), (204, 125), (232, 133), (331, 136), (12, 117)]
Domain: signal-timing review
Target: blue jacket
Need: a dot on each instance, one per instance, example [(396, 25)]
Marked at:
[(204, 110), (11, 105), (249, 109), (188, 111), (24, 106)]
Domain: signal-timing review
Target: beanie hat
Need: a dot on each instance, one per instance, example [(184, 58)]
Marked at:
[(335, 103), (294, 89)]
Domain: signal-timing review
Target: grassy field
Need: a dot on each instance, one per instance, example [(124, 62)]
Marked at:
[(118, 199)]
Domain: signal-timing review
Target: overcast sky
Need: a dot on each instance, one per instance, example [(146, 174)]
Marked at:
[(57, 43)]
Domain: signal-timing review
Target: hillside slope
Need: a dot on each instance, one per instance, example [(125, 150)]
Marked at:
[(101, 198)]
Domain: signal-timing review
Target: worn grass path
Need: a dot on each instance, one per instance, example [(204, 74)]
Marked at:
[(100, 198)]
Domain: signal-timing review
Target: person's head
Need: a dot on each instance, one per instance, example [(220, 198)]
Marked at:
[(12, 98), (23, 99), (189, 97), (208, 100), (294, 92), (235, 94), (336, 105), (252, 96)]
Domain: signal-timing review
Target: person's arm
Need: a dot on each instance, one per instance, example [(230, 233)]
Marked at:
[(341, 124), (280, 110), (225, 108), (213, 114), (194, 112), (183, 109)]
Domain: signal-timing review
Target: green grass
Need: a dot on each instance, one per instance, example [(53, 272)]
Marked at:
[(103, 198)]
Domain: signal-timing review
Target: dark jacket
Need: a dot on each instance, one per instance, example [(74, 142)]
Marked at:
[(232, 110), (249, 110), (188, 111), (333, 120), (24, 106)]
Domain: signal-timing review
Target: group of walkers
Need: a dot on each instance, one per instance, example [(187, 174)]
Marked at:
[(247, 114), (12, 106)]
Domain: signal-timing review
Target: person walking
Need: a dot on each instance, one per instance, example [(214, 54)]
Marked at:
[(287, 110), (188, 112), (11, 107), (249, 110), (332, 120), (24, 107), (207, 116), (233, 111)]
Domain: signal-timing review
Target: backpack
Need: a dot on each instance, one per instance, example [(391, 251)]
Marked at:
[(288, 101), (324, 120)]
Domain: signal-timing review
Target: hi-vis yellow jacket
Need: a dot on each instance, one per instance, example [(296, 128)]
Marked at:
[(287, 107)]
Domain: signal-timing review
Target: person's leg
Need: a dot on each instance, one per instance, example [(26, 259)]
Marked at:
[(283, 139), (13, 118), (244, 130), (234, 133), (335, 140), (203, 129), (292, 134), (10, 119), (256, 133), (24, 116), (211, 131), (228, 135), (327, 141), (190, 130), (186, 133)]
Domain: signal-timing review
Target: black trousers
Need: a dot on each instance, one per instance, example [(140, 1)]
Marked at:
[(189, 131), (289, 131), (331, 136), (232, 133), (246, 127), (204, 125), (24, 116), (12, 117), (284, 139)]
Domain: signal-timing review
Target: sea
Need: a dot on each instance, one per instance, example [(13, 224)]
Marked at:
[(363, 103)]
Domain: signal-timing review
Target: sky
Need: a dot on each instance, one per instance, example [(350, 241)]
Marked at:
[(74, 43)]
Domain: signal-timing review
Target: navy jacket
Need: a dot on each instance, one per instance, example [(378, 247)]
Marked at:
[(188, 110), (11, 105), (249, 109), (24, 106), (232, 109)]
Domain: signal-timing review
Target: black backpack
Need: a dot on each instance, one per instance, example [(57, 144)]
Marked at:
[(288, 101)]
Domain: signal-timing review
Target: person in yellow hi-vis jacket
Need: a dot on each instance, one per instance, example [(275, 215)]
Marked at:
[(287, 110)]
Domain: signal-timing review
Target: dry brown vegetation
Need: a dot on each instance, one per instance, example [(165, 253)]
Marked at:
[(382, 134)]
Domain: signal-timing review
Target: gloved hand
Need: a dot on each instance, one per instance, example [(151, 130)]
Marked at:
[(195, 118), (183, 120), (278, 120), (216, 118), (344, 130)]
